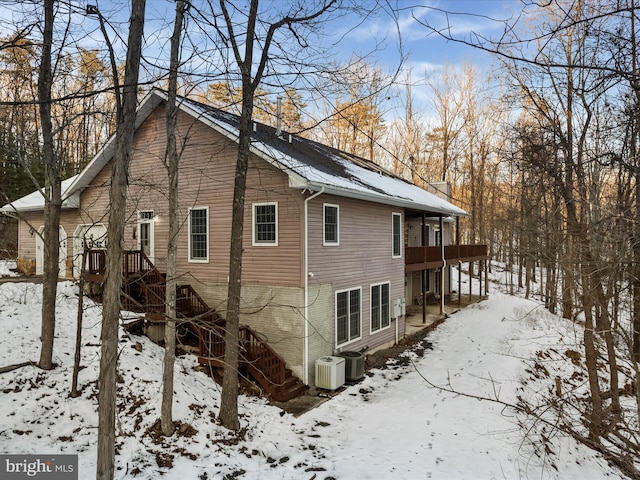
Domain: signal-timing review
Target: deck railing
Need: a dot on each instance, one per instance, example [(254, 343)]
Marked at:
[(262, 358), (265, 364), (431, 257), (192, 304), (97, 262)]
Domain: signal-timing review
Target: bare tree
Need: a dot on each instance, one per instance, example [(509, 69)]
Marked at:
[(52, 196), (171, 163), (251, 77), (118, 193)]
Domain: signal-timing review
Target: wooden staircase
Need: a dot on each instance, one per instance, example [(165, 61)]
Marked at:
[(144, 289), (256, 357)]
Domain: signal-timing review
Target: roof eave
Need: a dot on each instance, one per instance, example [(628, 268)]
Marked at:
[(302, 183)]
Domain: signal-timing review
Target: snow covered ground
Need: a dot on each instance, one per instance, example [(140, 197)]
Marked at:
[(395, 424), (6, 268)]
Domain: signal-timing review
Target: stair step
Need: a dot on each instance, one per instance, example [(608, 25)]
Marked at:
[(290, 393), (289, 382)]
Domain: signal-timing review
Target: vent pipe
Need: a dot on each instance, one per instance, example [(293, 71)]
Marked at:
[(279, 117)]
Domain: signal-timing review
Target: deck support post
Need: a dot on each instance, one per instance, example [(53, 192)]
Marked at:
[(424, 274), (444, 262), (459, 284), (486, 278), (423, 242)]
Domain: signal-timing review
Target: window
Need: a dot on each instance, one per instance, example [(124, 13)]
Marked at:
[(396, 235), (379, 306), (199, 234), (331, 225), (347, 315), (265, 224), (438, 237)]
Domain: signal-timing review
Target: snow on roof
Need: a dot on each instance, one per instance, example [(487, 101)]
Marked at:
[(35, 200), (310, 165), (315, 166)]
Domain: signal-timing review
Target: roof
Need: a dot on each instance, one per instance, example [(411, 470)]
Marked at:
[(309, 165), (35, 200)]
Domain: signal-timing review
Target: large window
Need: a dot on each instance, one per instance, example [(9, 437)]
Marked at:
[(379, 306), (396, 223), (199, 234), (265, 224), (348, 315), (331, 224)]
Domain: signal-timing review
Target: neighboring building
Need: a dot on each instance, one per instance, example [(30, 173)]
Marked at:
[(326, 264)]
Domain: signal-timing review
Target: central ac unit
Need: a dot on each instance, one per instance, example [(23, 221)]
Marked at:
[(329, 372), (354, 366)]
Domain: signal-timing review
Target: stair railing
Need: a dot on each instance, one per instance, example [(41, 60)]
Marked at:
[(261, 357)]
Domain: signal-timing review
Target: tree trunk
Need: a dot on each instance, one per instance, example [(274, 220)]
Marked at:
[(113, 280), (635, 276), (171, 162), (53, 196), (76, 357), (229, 402)]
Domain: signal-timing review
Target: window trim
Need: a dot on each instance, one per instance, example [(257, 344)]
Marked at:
[(190, 259), (381, 327), (254, 233), (335, 318), (393, 235), (326, 243)]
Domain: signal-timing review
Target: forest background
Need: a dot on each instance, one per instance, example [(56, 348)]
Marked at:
[(540, 143)]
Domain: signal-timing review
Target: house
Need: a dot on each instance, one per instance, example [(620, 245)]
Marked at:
[(334, 245)]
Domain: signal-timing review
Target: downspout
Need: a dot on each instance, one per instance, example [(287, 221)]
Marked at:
[(305, 356), (444, 265), (405, 328)]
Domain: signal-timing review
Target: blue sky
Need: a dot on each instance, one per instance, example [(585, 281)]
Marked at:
[(424, 49), (427, 48), (425, 52)]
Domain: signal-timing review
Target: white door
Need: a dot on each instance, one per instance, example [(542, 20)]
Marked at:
[(62, 252), (146, 236), (96, 238)]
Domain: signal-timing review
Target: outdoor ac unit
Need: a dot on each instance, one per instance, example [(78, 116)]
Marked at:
[(354, 365), (330, 372)]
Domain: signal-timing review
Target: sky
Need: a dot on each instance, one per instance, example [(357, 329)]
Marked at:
[(424, 50), (392, 45), (439, 411)]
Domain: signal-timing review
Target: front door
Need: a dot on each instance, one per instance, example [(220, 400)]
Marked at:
[(146, 229)]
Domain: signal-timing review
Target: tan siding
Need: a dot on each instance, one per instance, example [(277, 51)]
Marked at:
[(207, 170), (29, 224)]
